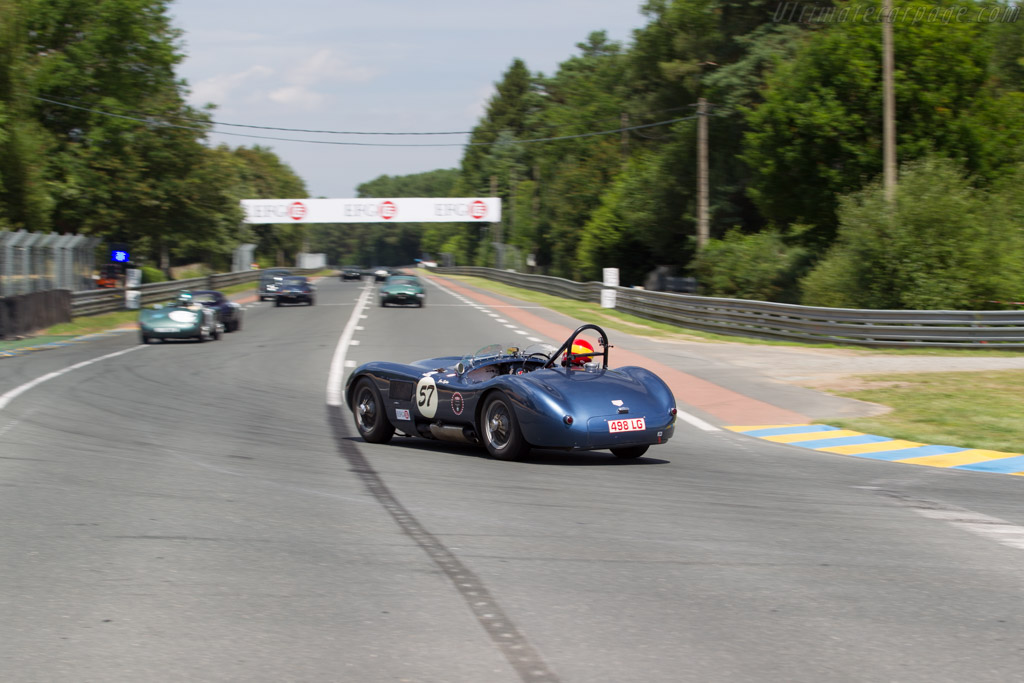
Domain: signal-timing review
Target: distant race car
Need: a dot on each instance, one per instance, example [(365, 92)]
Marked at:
[(511, 399), (402, 289), (270, 282), (380, 273), (295, 289), (228, 312), (351, 273), (183, 319)]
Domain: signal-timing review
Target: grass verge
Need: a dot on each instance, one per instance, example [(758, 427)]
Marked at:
[(966, 409)]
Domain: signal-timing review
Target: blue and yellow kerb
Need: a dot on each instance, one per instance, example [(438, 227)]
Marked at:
[(846, 442)]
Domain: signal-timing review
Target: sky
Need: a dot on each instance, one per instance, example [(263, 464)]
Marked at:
[(372, 66)]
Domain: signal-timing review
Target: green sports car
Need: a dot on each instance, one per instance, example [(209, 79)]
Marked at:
[(183, 319), (402, 289)]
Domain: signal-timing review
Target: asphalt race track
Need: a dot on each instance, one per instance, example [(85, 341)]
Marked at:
[(200, 512)]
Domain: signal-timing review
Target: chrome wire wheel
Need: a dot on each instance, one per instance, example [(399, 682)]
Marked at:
[(501, 432), (368, 413), (366, 409), (497, 425)]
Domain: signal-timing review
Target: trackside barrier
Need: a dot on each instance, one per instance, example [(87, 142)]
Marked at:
[(96, 301), (25, 313), (1001, 330)]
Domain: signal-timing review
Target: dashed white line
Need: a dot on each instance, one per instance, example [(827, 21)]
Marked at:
[(337, 371)]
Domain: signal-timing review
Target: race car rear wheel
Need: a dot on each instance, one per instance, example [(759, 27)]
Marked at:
[(500, 429), (368, 411), (629, 451)]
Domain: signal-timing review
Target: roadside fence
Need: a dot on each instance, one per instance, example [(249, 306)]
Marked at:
[(37, 262), (996, 330)]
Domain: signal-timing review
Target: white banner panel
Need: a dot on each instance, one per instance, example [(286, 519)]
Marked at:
[(376, 210)]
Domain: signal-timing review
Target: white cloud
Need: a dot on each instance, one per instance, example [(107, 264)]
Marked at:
[(217, 89), (326, 66), (297, 97)]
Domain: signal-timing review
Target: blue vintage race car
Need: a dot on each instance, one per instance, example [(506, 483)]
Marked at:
[(511, 399)]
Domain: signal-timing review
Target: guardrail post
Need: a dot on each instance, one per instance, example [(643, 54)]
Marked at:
[(611, 280)]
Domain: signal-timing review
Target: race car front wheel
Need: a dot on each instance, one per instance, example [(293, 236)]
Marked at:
[(500, 428), (368, 411)]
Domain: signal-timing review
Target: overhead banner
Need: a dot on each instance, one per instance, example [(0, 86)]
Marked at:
[(376, 210)]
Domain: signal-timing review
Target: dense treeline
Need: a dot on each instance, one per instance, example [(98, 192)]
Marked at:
[(795, 152), (142, 176)]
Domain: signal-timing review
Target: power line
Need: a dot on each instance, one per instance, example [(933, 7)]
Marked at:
[(206, 131), (65, 103)]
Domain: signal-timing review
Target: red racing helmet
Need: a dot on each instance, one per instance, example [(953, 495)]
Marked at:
[(582, 352)]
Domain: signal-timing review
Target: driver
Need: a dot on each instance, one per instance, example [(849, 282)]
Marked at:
[(582, 351), (185, 300)]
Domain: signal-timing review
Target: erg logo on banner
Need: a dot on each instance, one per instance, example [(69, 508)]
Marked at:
[(297, 211), (476, 210)]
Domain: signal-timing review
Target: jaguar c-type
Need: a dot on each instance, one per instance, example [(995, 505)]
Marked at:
[(512, 399)]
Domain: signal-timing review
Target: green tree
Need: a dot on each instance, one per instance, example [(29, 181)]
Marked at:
[(817, 135), (944, 245), (265, 176)]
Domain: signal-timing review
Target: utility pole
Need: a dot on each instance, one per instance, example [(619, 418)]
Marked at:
[(702, 173), (888, 107)]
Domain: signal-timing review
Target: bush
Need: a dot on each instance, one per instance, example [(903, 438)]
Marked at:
[(151, 274), (944, 244), (759, 266)]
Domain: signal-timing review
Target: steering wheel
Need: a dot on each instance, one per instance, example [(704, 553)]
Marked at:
[(543, 356)]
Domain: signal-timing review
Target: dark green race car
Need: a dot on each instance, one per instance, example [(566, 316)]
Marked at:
[(402, 289), (185, 318)]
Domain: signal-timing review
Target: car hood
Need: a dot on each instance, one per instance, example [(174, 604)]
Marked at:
[(168, 316)]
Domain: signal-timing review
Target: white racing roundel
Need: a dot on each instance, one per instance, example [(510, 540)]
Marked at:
[(426, 396)]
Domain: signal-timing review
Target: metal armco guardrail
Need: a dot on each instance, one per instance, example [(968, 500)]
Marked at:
[(1002, 330), (96, 301)]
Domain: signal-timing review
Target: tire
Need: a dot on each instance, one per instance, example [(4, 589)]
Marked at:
[(277, 302), (143, 339), (368, 412), (383, 304), (216, 332), (312, 302), (629, 451), (500, 429), (236, 325)]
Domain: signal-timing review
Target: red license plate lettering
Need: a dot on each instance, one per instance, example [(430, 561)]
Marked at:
[(636, 424)]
